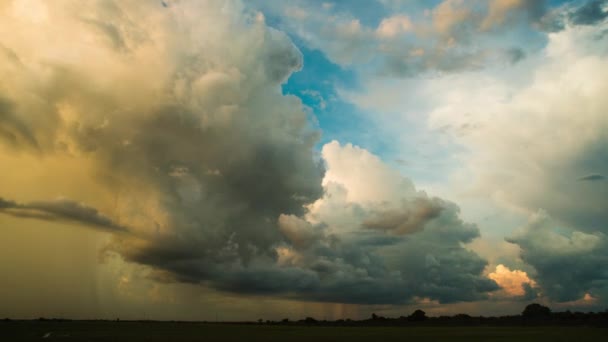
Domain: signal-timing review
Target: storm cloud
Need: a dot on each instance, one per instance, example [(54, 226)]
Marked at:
[(181, 115), (569, 264), (336, 251), (60, 210), (590, 13)]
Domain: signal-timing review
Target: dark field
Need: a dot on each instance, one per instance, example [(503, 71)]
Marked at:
[(167, 331)]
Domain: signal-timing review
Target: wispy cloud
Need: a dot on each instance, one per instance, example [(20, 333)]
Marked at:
[(592, 177), (62, 210)]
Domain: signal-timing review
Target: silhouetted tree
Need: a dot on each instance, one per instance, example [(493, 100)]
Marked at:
[(310, 320), (536, 310), (417, 315), (462, 316), (377, 318)]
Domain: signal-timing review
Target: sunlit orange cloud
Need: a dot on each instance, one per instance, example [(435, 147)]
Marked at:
[(511, 281)]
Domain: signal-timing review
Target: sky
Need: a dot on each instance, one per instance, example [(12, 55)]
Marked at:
[(236, 160)]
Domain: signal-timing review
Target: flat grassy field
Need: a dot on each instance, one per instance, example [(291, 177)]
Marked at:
[(168, 331)]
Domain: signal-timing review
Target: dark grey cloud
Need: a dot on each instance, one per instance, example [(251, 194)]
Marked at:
[(435, 265), (388, 264), (568, 263), (316, 262), (589, 13), (564, 201), (62, 210), (366, 267), (592, 177), (530, 293), (7, 204), (552, 21), (567, 249)]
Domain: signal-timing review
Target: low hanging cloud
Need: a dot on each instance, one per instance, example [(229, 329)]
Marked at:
[(178, 108), (569, 264), (418, 249), (332, 253), (61, 210)]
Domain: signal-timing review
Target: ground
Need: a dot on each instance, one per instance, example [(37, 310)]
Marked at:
[(167, 331)]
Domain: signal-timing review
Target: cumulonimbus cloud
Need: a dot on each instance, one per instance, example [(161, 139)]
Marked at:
[(179, 107)]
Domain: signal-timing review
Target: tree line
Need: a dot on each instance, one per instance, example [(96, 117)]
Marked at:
[(533, 314)]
